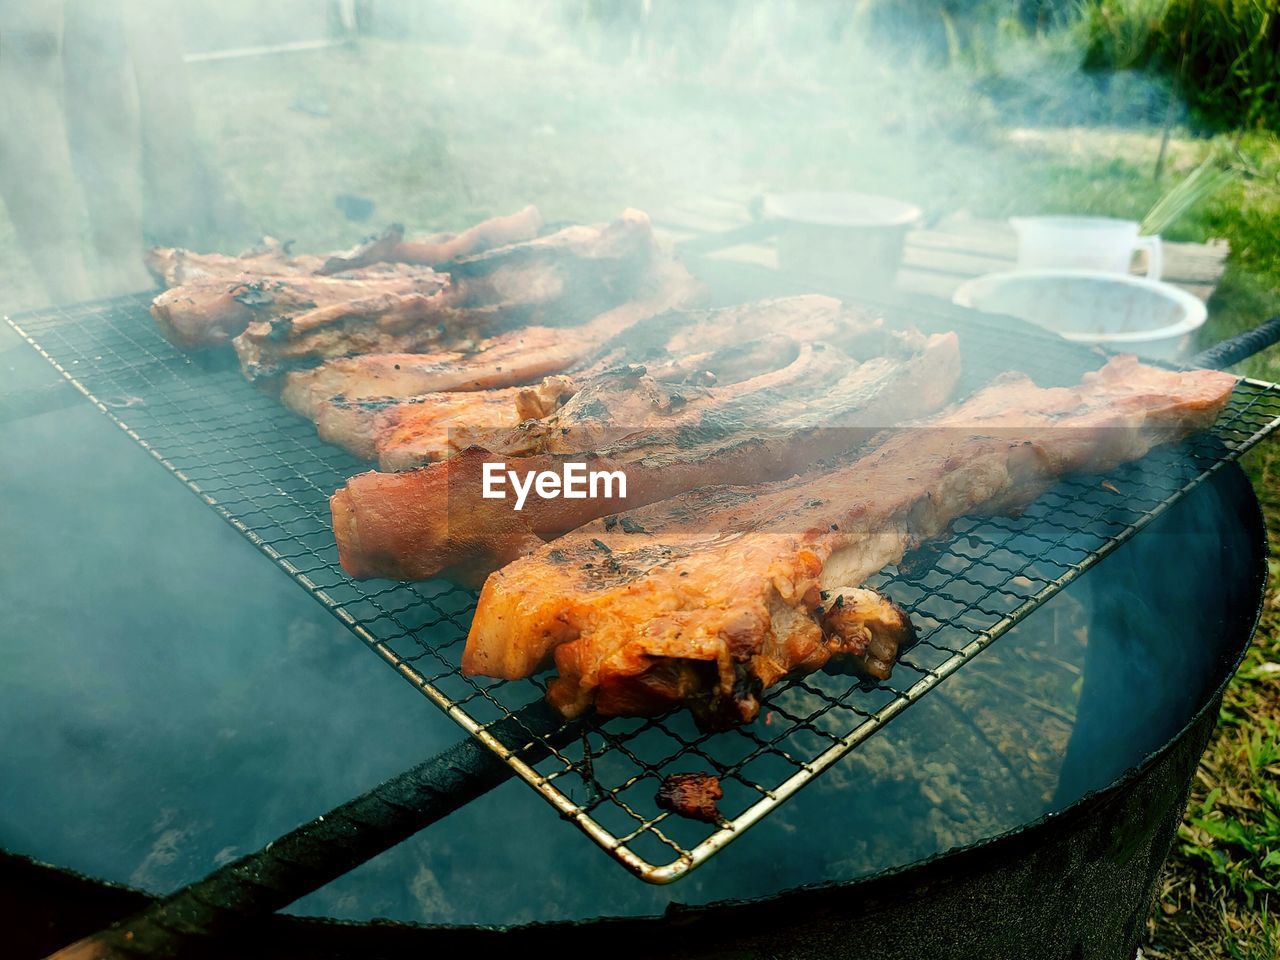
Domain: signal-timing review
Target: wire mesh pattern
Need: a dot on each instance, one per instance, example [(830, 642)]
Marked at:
[(266, 472)]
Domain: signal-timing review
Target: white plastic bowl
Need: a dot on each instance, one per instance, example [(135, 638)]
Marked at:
[(1115, 311)]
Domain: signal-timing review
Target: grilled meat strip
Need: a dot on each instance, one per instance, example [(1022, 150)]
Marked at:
[(509, 359), (502, 361), (391, 245), (557, 280), (692, 795), (174, 266), (405, 433), (706, 600), (210, 311), (667, 440), (624, 414), (434, 426)]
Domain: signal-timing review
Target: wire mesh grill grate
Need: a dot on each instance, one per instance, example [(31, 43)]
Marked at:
[(267, 473)]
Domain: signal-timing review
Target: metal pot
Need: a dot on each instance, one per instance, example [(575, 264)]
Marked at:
[(855, 237)]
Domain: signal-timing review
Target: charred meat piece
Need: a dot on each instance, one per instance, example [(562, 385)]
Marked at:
[(210, 311), (391, 245), (865, 631), (596, 249), (692, 795), (667, 440), (502, 361), (719, 594)]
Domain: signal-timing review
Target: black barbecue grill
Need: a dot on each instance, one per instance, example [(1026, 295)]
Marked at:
[(265, 471)]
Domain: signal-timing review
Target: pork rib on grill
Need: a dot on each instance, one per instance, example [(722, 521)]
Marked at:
[(667, 439), (174, 266), (392, 247), (210, 311), (405, 434), (214, 297), (707, 599)]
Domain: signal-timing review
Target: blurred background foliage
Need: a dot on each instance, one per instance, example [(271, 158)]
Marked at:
[(1221, 56)]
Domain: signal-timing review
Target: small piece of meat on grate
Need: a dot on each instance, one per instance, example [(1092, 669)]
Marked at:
[(721, 595), (692, 795)]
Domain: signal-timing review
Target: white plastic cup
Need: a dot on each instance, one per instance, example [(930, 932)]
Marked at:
[(1083, 243)]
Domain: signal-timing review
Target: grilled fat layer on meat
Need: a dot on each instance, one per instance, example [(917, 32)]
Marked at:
[(667, 440), (707, 599), (509, 359), (557, 280)]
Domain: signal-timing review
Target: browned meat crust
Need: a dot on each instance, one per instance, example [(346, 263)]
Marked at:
[(709, 598), (865, 630), (174, 266)]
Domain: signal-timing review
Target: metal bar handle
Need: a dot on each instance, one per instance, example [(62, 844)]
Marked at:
[(1240, 347), (324, 849)]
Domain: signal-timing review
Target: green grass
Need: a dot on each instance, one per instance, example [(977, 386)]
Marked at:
[(438, 138), (1226, 53), (1221, 891)]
